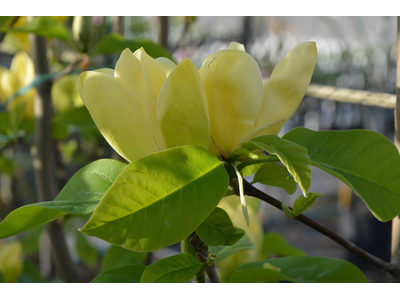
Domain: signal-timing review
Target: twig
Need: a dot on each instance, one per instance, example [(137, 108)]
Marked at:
[(202, 254), (252, 191), (68, 69)]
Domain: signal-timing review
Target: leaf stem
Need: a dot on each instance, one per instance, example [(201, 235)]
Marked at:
[(202, 254), (384, 265)]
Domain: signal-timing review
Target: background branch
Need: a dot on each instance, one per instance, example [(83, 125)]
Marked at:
[(43, 161)]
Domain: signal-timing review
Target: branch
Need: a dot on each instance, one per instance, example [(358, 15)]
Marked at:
[(202, 254), (43, 161), (252, 191)]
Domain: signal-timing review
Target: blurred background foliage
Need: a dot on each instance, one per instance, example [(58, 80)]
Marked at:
[(353, 52)]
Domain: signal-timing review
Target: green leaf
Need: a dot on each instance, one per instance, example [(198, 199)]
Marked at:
[(301, 204), (303, 269), (80, 195), (118, 257), (218, 229), (173, 269), (6, 165), (225, 251), (59, 132), (115, 43), (250, 169), (126, 274), (43, 26), (274, 243), (259, 275), (77, 116), (31, 274), (159, 199), (86, 251), (293, 156), (31, 240), (4, 20), (288, 212), (366, 161), (243, 152), (275, 175)]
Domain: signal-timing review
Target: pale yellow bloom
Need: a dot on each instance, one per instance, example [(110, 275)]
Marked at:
[(21, 73), (147, 105), (64, 94), (254, 231), (240, 107), (11, 261)]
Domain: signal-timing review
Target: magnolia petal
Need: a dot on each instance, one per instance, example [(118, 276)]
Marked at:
[(23, 69), (153, 73), (167, 65), (7, 84), (128, 71), (237, 46), (107, 71), (182, 110), (233, 85), (287, 85), (116, 114)]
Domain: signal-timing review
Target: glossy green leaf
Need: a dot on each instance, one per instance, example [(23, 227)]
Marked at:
[(118, 257), (80, 195), (293, 156), (275, 244), (86, 251), (305, 269), (159, 199), (259, 275), (366, 161), (116, 43), (173, 269), (218, 229), (301, 204), (275, 175), (78, 116), (126, 274), (252, 168), (243, 152), (43, 26), (225, 251), (288, 212)]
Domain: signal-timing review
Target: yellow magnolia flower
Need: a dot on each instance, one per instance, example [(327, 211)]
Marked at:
[(240, 107), (11, 261), (21, 73), (254, 231), (147, 105), (64, 94)]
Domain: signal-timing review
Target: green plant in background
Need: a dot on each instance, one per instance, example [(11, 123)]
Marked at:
[(189, 137)]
